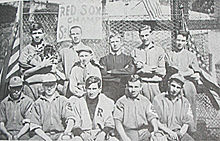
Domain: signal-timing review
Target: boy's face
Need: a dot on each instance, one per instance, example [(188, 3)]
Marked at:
[(49, 88), (15, 92), (85, 57), (145, 36), (37, 35), (174, 88), (75, 35), (93, 90), (134, 88), (180, 42), (115, 43)]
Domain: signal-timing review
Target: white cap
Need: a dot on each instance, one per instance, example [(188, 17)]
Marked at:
[(49, 77)]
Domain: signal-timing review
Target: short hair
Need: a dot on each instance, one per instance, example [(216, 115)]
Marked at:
[(183, 33), (145, 27), (93, 79), (76, 26), (116, 33), (36, 26), (134, 78)]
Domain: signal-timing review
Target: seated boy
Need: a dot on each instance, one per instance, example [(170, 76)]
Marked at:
[(15, 112), (49, 111), (94, 113)]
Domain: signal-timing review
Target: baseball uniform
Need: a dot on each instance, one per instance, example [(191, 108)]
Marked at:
[(173, 114), (150, 56), (29, 58), (68, 57), (102, 116), (186, 63), (79, 74), (49, 116), (15, 114), (135, 115)]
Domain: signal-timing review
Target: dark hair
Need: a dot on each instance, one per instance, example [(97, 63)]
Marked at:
[(35, 26), (134, 78), (116, 33), (183, 33), (93, 79), (75, 26), (145, 27)]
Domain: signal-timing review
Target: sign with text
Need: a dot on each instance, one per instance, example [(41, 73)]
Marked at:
[(84, 13)]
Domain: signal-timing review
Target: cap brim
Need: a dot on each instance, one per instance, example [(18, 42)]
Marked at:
[(78, 51)]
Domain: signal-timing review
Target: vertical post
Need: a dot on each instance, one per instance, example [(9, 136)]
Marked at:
[(210, 62), (21, 5), (174, 4)]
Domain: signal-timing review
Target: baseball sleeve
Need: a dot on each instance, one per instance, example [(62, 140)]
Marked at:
[(118, 111)]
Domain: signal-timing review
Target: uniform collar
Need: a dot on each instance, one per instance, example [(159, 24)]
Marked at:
[(89, 65), (42, 44), (56, 95), (179, 97), (136, 98), (116, 53), (150, 46), (21, 98), (74, 46)]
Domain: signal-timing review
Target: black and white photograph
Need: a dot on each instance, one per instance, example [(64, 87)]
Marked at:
[(110, 70)]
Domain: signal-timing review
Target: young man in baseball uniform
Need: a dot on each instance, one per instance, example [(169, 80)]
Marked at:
[(15, 112), (49, 111), (174, 111), (32, 61), (94, 120), (150, 63), (81, 71), (185, 62), (68, 54), (134, 113)]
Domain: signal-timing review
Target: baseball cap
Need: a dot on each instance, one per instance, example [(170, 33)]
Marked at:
[(49, 78), (178, 77), (83, 48), (15, 81)]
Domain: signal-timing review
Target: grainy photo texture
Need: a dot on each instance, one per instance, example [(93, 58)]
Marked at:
[(110, 70)]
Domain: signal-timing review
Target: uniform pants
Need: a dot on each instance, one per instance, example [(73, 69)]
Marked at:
[(138, 135), (150, 90), (52, 136), (190, 93)]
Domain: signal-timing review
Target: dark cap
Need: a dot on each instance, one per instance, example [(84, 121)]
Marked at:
[(83, 48), (35, 26)]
